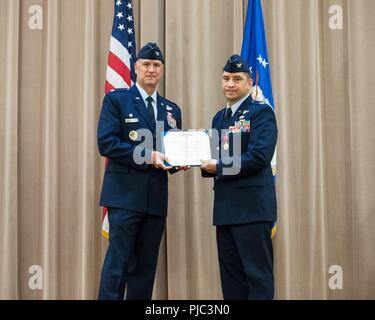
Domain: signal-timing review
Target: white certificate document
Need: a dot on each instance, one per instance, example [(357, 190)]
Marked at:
[(186, 148)]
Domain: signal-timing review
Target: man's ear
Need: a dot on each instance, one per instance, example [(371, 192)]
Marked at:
[(251, 82), (136, 67)]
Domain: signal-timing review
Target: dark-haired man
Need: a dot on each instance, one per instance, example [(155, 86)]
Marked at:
[(245, 197)]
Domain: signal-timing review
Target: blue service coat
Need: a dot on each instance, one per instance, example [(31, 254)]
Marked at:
[(127, 184), (249, 195)]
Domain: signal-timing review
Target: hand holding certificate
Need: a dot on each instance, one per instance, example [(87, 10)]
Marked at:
[(186, 148)]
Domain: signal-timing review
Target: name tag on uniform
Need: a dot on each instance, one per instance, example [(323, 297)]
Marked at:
[(131, 120)]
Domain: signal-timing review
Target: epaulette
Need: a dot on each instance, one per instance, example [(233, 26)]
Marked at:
[(258, 102), (121, 90), (169, 102)]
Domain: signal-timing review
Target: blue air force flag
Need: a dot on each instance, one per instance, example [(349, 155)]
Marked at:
[(254, 51)]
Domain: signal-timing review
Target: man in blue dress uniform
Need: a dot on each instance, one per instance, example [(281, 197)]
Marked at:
[(245, 196), (135, 191)]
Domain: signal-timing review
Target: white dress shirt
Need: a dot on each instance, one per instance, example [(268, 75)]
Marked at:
[(236, 105), (145, 95)]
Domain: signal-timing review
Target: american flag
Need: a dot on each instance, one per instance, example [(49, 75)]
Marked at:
[(120, 68), (120, 71)]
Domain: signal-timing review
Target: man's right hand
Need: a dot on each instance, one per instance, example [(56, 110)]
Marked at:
[(158, 161)]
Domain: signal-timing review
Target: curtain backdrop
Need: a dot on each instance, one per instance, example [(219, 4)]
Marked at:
[(51, 89)]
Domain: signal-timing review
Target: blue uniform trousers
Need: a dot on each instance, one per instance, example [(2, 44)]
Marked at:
[(132, 255), (246, 261)]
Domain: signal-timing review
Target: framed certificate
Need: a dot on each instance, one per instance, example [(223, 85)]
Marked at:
[(186, 148)]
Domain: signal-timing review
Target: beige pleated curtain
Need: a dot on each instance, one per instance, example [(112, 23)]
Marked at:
[(51, 88)]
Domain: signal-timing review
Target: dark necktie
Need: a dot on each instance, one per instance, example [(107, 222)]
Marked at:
[(227, 117), (151, 113)]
